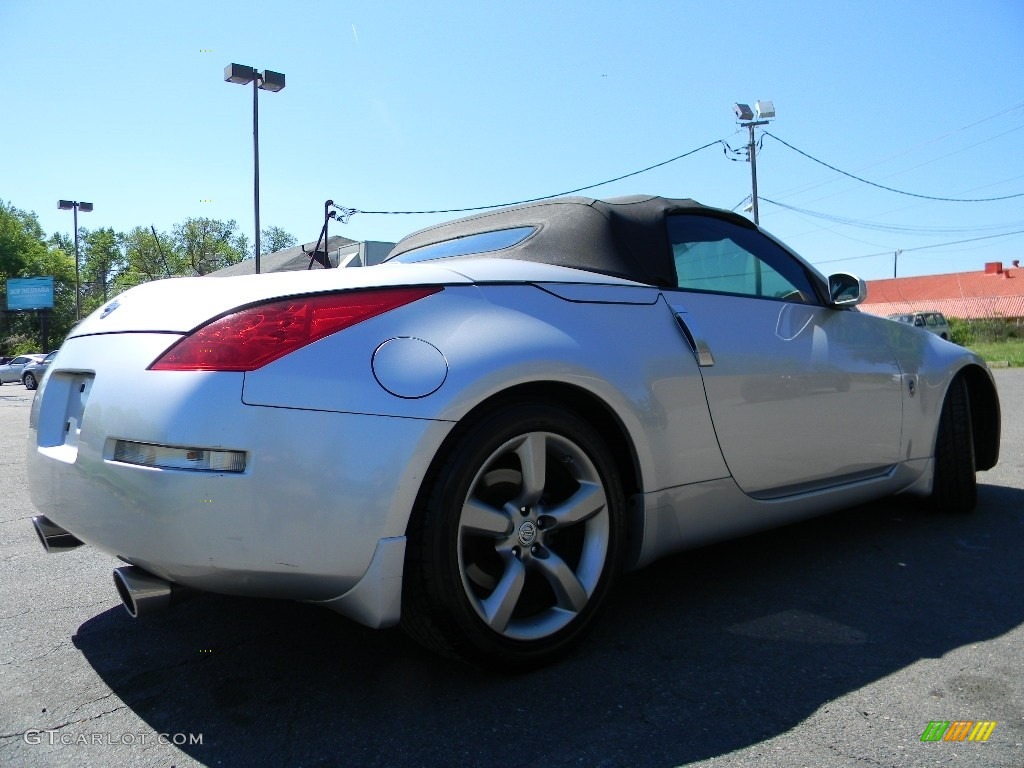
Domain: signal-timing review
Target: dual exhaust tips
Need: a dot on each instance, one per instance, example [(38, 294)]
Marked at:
[(142, 593)]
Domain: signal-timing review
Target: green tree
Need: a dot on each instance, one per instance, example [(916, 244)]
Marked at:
[(148, 256), (206, 245), (21, 240), (25, 252), (273, 239), (103, 259)]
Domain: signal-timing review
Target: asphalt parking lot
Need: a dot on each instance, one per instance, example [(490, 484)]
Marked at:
[(830, 643)]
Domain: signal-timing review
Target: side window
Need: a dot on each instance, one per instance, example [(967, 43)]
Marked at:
[(717, 256), (932, 320)]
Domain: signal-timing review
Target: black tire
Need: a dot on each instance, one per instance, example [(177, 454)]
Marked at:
[(29, 381), (955, 487), (516, 540)]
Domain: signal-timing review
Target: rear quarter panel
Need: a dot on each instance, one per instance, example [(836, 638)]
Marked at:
[(495, 337)]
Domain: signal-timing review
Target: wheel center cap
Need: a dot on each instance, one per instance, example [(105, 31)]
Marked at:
[(527, 533)]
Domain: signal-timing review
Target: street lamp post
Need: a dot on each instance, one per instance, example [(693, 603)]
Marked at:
[(74, 205), (765, 112), (264, 81)]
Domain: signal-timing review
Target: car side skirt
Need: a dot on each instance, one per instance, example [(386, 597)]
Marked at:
[(689, 516)]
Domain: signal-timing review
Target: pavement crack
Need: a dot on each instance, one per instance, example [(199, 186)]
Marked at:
[(107, 695), (70, 723), (33, 658), (16, 615)]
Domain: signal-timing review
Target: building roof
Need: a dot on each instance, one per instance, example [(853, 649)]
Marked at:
[(289, 260), (993, 292)]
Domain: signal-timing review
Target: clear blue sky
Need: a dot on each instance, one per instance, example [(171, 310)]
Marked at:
[(411, 105)]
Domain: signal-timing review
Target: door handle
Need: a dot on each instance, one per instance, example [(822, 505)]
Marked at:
[(698, 344)]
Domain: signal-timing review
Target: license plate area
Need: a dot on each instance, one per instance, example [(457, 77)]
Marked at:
[(62, 411)]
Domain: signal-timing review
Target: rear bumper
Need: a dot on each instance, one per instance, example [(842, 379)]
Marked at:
[(320, 508)]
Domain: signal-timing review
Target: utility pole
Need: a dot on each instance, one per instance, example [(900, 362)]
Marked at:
[(895, 258), (765, 112)]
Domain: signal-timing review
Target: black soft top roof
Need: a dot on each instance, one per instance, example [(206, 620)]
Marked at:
[(623, 236)]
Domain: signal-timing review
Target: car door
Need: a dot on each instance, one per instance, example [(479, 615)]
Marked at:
[(802, 395), (12, 371)]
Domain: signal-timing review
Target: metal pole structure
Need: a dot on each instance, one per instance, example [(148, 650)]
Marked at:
[(78, 283), (261, 81), (327, 221), (748, 118), (751, 149), (74, 205), (256, 163), (752, 157)]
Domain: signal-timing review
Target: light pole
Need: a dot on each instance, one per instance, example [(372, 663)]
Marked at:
[(74, 205), (264, 81), (765, 112)]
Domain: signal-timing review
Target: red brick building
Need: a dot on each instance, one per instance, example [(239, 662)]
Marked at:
[(995, 292)]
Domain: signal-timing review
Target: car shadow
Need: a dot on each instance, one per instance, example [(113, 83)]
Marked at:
[(701, 654)]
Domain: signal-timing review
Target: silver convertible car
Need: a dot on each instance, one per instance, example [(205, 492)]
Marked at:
[(474, 438)]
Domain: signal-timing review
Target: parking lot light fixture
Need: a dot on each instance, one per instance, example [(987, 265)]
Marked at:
[(743, 111), (74, 205), (261, 81)]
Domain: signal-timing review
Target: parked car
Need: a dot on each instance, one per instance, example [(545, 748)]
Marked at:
[(32, 373), (933, 322), (12, 370), (494, 423)]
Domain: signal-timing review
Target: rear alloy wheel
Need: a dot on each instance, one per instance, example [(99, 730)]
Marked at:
[(29, 381), (955, 488), (519, 540)]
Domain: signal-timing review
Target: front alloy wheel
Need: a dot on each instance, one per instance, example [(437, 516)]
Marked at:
[(529, 508)]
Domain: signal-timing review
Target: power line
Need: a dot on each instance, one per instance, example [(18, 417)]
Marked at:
[(807, 187), (891, 189), (346, 212), (350, 211), (923, 247), (898, 228)]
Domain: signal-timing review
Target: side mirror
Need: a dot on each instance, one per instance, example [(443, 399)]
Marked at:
[(846, 290)]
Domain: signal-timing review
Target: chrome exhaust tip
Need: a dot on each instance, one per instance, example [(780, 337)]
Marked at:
[(142, 593), (52, 536)]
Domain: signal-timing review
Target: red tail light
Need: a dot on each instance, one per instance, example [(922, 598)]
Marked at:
[(254, 336)]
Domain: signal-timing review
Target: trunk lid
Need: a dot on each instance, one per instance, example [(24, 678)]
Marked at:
[(179, 304)]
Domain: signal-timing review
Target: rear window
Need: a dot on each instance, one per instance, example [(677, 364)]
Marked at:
[(484, 242)]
